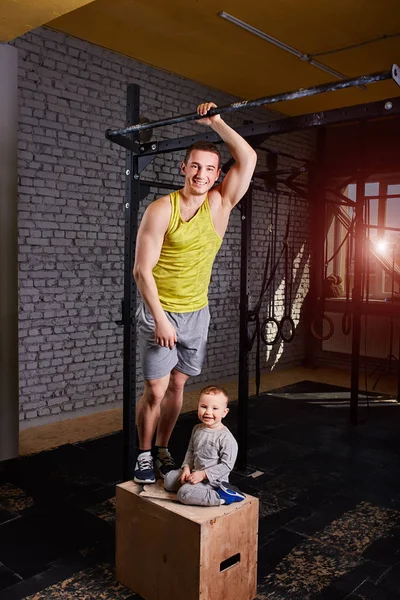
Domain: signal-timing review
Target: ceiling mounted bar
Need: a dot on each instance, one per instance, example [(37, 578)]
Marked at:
[(393, 73), (282, 45)]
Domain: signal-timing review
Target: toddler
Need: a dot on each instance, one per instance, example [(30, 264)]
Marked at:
[(203, 478)]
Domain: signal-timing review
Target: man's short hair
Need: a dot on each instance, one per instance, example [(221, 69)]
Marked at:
[(206, 147), (213, 390)]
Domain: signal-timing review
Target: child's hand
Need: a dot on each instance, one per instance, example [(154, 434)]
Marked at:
[(197, 476), (185, 474)]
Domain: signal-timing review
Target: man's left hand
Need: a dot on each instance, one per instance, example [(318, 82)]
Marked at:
[(203, 109)]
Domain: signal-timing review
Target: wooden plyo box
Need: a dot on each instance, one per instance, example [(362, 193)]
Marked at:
[(169, 551)]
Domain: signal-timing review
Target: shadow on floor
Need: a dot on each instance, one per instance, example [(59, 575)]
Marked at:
[(329, 503)]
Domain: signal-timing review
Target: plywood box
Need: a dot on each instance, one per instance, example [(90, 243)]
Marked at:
[(168, 551)]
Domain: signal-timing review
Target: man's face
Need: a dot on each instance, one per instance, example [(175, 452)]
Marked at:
[(201, 171)]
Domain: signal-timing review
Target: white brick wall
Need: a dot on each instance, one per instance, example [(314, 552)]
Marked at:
[(71, 194)]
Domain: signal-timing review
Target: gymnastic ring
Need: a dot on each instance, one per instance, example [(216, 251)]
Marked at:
[(314, 331), (263, 331), (346, 322), (289, 320)]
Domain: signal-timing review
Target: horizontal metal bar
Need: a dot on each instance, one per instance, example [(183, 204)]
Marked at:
[(274, 173), (383, 227), (161, 184), (371, 110), (345, 199), (286, 155), (382, 196), (393, 73), (124, 142)]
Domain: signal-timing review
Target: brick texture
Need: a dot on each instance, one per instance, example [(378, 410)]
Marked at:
[(71, 220)]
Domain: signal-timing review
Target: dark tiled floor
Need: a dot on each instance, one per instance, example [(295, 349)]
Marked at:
[(329, 504)]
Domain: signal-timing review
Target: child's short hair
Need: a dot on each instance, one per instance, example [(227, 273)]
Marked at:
[(213, 390)]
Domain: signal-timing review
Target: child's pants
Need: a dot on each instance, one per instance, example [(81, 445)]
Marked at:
[(199, 494)]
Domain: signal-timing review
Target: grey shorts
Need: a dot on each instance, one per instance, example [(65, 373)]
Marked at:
[(188, 353)]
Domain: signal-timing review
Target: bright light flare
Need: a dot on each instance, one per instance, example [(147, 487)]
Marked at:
[(382, 245)]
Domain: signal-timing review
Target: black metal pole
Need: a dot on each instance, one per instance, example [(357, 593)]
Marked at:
[(243, 386), (398, 370), (391, 356), (357, 296), (132, 199), (393, 73), (9, 399), (318, 232)]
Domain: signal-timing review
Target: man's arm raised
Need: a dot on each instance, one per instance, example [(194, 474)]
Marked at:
[(148, 248), (237, 181)]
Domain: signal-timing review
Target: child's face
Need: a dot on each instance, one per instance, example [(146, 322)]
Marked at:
[(212, 409)]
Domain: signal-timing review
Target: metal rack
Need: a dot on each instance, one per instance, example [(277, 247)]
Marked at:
[(140, 155)]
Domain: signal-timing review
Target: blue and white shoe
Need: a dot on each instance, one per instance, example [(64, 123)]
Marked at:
[(144, 471), (229, 493)]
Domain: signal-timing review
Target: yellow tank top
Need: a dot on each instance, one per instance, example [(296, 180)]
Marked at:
[(183, 271)]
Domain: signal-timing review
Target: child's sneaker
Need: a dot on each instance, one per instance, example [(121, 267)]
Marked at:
[(144, 471), (164, 462), (229, 493)]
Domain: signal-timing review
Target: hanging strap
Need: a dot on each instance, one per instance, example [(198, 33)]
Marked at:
[(287, 327), (256, 312)]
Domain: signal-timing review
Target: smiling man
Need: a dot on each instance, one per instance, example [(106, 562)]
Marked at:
[(178, 240)]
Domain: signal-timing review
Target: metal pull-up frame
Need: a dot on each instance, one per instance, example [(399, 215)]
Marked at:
[(139, 155)]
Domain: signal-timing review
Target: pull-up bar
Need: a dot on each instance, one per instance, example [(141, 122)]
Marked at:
[(393, 73)]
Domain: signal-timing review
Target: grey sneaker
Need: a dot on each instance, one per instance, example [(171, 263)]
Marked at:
[(144, 470), (164, 463)]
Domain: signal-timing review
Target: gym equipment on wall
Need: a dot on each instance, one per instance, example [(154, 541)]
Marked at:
[(269, 330), (271, 320), (141, 154)]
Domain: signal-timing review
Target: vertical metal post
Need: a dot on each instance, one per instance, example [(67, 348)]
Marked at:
[(243, 392), (132, 199), (8, 253), (382, 209), (359, 237), (398, 368), (318, 233)]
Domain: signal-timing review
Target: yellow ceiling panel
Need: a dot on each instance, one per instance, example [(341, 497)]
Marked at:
[(188, 38), (19, 16)]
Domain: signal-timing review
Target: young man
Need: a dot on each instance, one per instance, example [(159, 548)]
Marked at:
[(178, 239)]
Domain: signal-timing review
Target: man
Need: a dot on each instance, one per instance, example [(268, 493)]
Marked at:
[(178, 239)]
